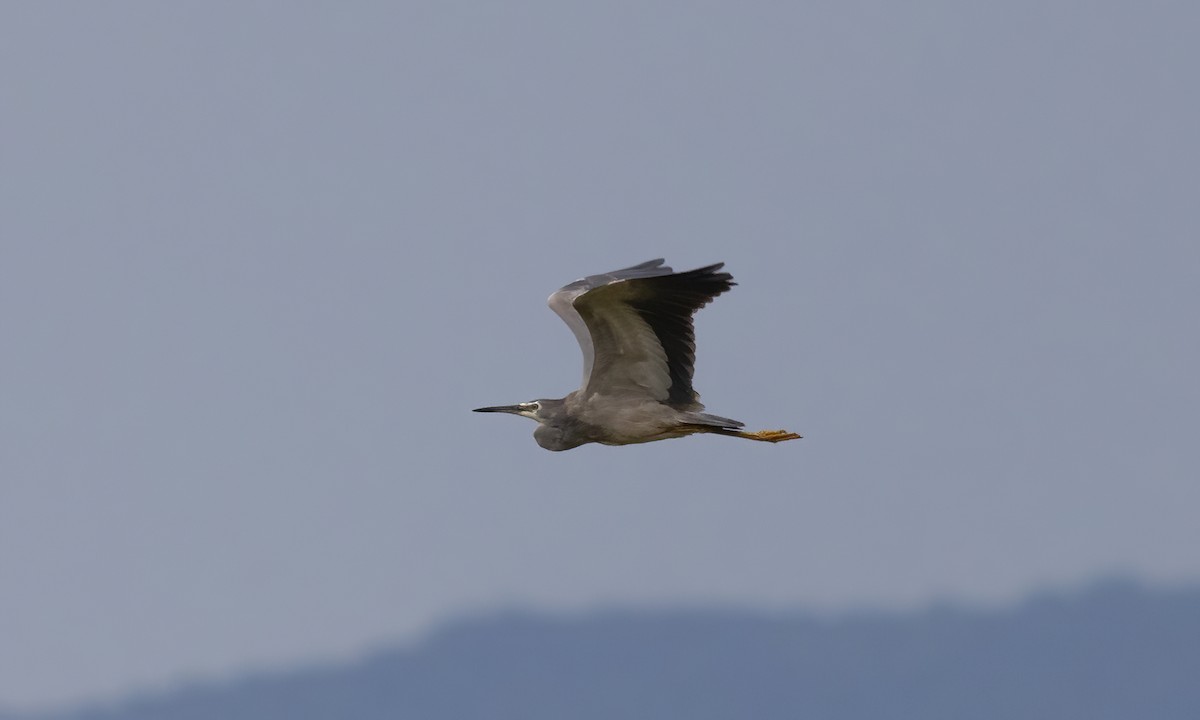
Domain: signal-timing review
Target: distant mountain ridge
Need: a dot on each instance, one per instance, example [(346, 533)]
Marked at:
[(1114, 650)]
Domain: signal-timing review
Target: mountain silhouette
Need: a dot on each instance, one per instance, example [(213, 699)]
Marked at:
[(1113, 650)]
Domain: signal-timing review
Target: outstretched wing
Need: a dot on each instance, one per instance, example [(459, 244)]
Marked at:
[(635, 328)]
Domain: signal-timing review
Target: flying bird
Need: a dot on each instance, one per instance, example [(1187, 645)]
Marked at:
[(639, 350)]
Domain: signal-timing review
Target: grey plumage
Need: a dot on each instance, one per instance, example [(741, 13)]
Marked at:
[(634, 327)]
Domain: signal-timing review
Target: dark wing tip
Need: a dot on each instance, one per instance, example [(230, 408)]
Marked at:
[(708, 278)]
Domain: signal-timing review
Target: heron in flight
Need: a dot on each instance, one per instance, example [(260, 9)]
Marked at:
[(639, 349)]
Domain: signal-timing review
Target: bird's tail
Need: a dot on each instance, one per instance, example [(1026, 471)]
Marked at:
[(714, 421)]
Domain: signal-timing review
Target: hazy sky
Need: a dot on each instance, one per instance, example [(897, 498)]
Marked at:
[(259, 260)]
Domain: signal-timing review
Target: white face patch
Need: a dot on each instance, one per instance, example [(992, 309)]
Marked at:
[(528, 409)]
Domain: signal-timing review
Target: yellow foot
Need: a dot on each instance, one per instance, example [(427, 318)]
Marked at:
[(772, 436)]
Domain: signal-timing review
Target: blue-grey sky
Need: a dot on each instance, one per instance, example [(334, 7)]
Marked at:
[(258, 260)]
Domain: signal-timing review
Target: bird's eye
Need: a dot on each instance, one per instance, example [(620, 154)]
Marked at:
[(531, 406)]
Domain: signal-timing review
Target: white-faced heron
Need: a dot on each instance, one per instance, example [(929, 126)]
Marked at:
[(635, 329)]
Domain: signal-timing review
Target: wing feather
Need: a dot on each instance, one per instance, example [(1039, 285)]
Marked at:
[(634, 327), (562, 302)]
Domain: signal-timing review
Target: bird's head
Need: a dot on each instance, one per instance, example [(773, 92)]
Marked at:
[(532, 410), (555, 426)]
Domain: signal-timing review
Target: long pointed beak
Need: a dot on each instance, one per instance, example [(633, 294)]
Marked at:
[(514, 409)]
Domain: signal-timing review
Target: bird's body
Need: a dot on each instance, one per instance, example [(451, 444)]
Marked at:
[(634, 327), (611, 420)]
